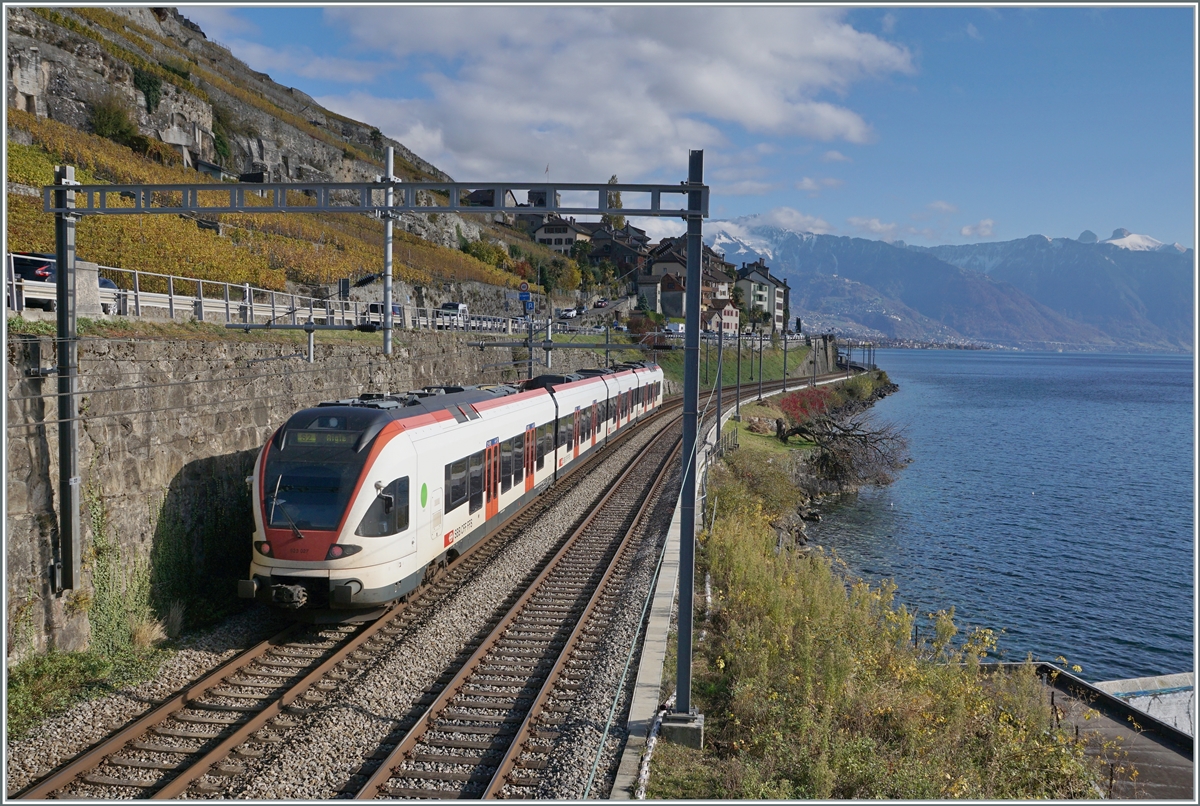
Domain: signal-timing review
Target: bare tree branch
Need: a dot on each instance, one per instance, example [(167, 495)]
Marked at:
[(851, 449)]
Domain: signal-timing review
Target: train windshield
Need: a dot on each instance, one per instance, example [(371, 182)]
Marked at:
[(309, 481)]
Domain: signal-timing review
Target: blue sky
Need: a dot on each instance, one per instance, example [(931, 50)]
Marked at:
[(929, 125)]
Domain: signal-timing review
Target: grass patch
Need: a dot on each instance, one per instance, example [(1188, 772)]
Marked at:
[(45, 685), (772, 365)]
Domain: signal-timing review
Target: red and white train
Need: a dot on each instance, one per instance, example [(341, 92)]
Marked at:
[(355, 499)]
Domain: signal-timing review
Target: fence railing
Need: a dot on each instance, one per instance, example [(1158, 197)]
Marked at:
[(138, 293)]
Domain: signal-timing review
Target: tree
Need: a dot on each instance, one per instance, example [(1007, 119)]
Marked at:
[(580, 251), (851, 449), (614, 220), (607, 271)]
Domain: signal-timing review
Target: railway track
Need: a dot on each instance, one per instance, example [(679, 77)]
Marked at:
[(212, 727)]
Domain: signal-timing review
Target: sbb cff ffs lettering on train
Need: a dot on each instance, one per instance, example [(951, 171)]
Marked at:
[(357, 501)]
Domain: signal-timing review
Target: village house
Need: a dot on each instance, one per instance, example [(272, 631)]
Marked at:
[(670, 255), (674, 295), (722, 316), (763, 291), (648, 289), (560, 234)]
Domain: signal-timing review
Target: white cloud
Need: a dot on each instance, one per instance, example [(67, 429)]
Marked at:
[(888, 23), (659, 228), (981, 230), (813, 187), (835, 156), (942, 207), (789, 218), (972, 31), (662, 81), (873, 226)]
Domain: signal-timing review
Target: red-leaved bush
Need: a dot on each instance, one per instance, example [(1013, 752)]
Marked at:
[(804, 405)]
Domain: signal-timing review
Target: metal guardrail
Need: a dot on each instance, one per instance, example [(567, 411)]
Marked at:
[(214, 301)]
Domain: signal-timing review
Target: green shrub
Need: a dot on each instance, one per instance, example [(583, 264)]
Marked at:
[(109, 119), (151, 87), (178, 67)]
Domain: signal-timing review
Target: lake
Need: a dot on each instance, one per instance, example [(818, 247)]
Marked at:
[(1050, 496)]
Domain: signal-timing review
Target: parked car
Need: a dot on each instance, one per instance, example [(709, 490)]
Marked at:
[(600, 303), (567, 313), (39, 267), (376, 308), (453, 314), (581, 309)]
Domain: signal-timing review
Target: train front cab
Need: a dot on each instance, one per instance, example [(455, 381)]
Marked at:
[(335, 521)]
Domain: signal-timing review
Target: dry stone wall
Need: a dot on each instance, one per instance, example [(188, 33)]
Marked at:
[(169, 432)]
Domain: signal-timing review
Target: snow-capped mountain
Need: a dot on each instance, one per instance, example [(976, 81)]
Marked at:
[(1140, 243), (1130, 291), (872, 287)]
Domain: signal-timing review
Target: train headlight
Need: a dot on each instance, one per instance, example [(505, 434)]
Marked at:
[(339, 550), (263, 548)]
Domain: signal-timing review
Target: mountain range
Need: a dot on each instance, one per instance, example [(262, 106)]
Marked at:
[(1129, 292)]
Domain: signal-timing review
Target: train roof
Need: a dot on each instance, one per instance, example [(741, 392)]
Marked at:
[(368, 413)]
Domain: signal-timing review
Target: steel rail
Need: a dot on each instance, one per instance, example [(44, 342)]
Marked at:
[(384, 771), (92, 757)]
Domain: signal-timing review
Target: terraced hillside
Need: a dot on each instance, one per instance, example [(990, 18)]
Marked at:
[(141, 96)]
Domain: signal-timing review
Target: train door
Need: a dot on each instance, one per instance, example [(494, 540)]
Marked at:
[(435, 517), (575, 436), (491, 479), (530, 450)]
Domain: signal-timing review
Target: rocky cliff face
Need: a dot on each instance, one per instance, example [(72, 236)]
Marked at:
[(57, 67)]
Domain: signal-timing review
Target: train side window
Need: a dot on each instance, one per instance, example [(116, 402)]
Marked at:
[(388, 513), (541, 446), (570, 424), (476, 477), (506, 463), (518, 458), (456, 484)]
